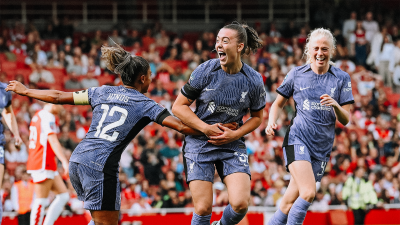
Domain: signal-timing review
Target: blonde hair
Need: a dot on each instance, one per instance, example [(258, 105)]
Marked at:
[(320, 32)]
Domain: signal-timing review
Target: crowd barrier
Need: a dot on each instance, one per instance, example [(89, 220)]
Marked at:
[(390, 214)]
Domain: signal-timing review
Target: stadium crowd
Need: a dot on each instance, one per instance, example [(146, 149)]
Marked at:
[(151, 168)]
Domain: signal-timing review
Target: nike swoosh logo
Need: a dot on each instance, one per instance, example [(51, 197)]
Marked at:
[(303, 88), (209, 89)]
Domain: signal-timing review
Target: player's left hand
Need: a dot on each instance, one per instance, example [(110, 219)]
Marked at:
[(327, 100), (227, 137)]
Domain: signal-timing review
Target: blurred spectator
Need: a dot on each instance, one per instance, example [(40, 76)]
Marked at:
[(130, 40), (3, 45), (115, 38), (346, 65), (49, 33), (376, 45), (360, 44), (162, 40), (147, 39), (220, 194), (158, 89), (89, 81), (275, 46), (395, 33), (140, 207), (320, 203), (394, 66), (41, 75), (66, 28), (349, 27), (65, 139), (77, 67), (178, 75), (37, 56), (360, 195), (371, 26), (22, 194), (73, 82), (341, 50), (382, 61), (62, 60), (96, 40), (170, 150)]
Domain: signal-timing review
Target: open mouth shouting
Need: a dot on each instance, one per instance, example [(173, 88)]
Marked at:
[(221, 55), (320, 60)]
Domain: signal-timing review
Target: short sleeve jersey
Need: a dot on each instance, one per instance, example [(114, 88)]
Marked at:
[(314, 124), (5, 101), (119, 114), (41, 155), (222, 98)]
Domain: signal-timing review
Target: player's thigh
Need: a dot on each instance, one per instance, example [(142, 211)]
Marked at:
[(104, 217), (43, 188), (238, 185), (202, 195), (303, 175), (290, 196), (58, 185)]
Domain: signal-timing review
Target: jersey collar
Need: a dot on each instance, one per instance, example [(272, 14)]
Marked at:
[(308, 68), (241, 70)]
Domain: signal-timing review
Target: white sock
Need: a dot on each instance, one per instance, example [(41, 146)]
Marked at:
[(56, 208), (37, 212)]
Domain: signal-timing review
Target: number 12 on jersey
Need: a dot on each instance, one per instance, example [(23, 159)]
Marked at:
[(101, 131)]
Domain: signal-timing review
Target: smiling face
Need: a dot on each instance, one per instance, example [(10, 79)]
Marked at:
[(320, 53), (227, 47)]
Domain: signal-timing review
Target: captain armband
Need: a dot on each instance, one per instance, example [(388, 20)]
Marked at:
[(81, 97)]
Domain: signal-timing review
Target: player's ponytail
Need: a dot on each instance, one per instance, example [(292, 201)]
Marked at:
[(122, 62), (246, 35)]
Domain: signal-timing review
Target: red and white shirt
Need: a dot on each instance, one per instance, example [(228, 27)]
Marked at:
[(41, 155)]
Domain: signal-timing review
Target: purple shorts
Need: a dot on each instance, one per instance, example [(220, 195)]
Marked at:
[(300, 152)]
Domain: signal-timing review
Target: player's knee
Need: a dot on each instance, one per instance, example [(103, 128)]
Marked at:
[(203, 209), (240, 206), (308, 194)]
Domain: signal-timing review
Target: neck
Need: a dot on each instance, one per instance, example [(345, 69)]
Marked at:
[(234, 68), (319, 70), (139, 89)]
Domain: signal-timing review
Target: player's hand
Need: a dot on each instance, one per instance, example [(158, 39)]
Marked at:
[(65, 166), (18, 141), (270, 129), (232, 126), (227, 137), (16, 87), (212, 130), (327, 100)]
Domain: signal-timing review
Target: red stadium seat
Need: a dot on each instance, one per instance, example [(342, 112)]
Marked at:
[(104, 79), (393, 98)]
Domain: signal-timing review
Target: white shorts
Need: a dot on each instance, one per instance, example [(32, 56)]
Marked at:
[(41, 175)]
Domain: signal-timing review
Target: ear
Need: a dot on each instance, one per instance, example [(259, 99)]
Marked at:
[(142, 79), (240, 47)]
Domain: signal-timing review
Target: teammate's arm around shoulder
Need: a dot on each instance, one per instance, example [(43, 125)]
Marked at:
[(56, 146), (51, 96)]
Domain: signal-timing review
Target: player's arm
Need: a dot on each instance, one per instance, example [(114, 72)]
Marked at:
[(181, 110), (342, 112), (233, 135), (56, 146), (51, 96), (9, 118), (177, 125), (274, 113)]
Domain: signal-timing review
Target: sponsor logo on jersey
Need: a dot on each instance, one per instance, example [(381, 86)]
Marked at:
[(243, 96), (211, 107), (348, 88), (301, 150), (306, 105)]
